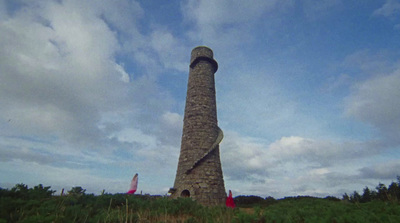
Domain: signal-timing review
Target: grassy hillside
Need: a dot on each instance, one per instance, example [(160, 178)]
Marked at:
[(23, 204)]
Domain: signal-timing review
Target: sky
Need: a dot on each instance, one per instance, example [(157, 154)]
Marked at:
[(92, 92)]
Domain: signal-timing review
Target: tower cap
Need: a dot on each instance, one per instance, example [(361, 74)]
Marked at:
[(202, 52)]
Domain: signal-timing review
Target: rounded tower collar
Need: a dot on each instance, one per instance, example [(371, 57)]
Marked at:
[(202, 53)]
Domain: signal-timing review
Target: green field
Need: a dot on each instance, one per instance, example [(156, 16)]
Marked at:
[(23, 204)]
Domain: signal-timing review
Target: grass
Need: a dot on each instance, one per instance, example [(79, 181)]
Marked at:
[(320, 210), (30, 207)]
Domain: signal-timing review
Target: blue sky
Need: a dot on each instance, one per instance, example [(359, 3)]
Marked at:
[(307, 93)]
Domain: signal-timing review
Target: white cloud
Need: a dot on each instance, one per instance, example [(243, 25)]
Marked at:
[(3, 9), (322, 153), (60, 177), (374, 101), (337, 83), (161, 50), (10, 153), (260, 93), (387, 170), (172, 52), (244, 158), (174, 120), (291, 163), (317, 9), (124, 75), (59, 74), (390, 8), (369, 63), (134, 135), (56, 75), (227, 24), (64, 96), (123, 14), (256, 102), (218, 13)]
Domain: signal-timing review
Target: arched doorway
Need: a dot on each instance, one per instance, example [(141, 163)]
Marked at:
[(185, 193)]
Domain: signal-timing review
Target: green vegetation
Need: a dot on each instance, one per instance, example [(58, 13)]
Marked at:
[(38, 204), (382, 193)]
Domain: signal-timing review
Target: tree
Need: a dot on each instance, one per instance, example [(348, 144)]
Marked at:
[(20, 188), (382, 192), (366, 197), (40, 192), (355, 197), (346, 197), (20, 191), (394, 191), (77, 191)]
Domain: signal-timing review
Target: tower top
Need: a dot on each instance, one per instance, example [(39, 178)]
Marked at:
[(202, 53)]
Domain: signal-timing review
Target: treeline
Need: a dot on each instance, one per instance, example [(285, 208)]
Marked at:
[(21, 191), (251, 201), (382, 193)]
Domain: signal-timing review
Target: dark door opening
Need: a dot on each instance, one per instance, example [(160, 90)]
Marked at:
[(185, 193)]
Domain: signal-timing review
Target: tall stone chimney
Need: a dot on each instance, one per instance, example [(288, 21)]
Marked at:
[(199, 173)]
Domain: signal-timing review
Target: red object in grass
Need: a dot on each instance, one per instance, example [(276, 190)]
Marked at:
[(134, 184), (229, 201)]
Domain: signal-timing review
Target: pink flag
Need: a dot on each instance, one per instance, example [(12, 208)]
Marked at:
[(229, 200), (134, 183)]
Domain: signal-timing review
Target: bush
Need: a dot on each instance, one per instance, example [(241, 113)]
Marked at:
[(331, 198), (247, 201)]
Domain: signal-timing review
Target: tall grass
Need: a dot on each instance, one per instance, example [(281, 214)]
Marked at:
[(110, 208)]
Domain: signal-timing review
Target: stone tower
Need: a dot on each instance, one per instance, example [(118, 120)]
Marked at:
[(199, 173)]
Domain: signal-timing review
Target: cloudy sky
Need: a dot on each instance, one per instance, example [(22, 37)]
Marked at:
[(92, 92)]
